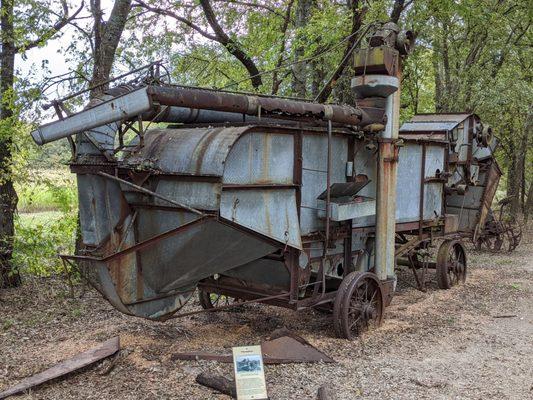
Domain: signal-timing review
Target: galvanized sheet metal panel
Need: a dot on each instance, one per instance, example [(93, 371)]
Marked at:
[(408, 183), (269, 212), (427, 126), (261, 158), (433, 200), (315, 164), (182, 260), (101, 205), (348, 210), (263, 272), (199, 195), (471, 199), (467, 218), (198, 151)]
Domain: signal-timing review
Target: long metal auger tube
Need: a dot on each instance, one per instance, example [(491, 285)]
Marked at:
[(187, 105), (254, 105)]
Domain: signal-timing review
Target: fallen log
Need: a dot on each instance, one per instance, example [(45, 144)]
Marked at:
[(72, 364), (217, 382)]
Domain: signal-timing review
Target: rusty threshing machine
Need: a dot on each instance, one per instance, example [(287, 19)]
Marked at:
[(287, 202)]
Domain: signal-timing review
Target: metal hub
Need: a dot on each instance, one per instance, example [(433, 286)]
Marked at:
[(368, 312)]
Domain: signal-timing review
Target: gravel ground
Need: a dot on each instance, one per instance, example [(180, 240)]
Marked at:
[(433, 345)]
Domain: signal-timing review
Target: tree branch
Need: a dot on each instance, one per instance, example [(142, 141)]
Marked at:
[(110, 34), (168, 13), (275, 80), (397, 9), (231, 46), (255, 5), (357, 20), (54, 29)]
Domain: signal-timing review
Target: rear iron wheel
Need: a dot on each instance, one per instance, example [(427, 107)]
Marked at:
[(451, 264), (514, 236), (492, 242), (358, 305)]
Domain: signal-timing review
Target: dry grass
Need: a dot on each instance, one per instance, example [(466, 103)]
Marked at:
[(434, 345)]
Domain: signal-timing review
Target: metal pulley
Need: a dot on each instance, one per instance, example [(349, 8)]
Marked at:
[(483, 134)]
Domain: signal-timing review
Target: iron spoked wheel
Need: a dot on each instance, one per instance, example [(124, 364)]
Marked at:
[(358, 305), (514, 236), (213, 300), (451, 264), (490, 242)]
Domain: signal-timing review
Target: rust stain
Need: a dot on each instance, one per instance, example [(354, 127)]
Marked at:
[(203, 145), (265, 158), (266, 200)]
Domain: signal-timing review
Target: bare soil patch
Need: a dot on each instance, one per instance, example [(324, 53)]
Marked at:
[(433, 345)]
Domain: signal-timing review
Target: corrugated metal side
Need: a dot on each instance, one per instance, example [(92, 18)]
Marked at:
[(198, 151)]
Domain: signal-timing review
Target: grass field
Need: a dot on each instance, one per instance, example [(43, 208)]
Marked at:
[(46, 221), (47, 190)]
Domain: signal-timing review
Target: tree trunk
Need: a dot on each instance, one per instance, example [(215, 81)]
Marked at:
[(524, 148), (397, 9), (357, 20), (9, 276), (438, 78), (107, 37), (528, 209), (513, 181), (299, 70)]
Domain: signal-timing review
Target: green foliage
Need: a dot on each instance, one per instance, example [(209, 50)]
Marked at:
[(47, 190), (39, 238), (47, 221)]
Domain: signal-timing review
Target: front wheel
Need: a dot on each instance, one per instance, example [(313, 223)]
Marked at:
[(358, 305), (451, 264)]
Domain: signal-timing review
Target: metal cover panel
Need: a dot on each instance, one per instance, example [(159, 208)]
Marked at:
[(261, 158), (467, 218), (263, 272), (199, 151), (101, 204), (408, 183), (432, 200), (471, 199), (433, 136), (427, 126), (347, 189), (200, 195), (434, 161), (196, 253), (349, 210), (269, 212)]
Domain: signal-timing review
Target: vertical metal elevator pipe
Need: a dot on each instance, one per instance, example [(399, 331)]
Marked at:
[(386, 190)]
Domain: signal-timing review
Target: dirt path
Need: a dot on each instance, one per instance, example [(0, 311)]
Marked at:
[(434, 345)]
